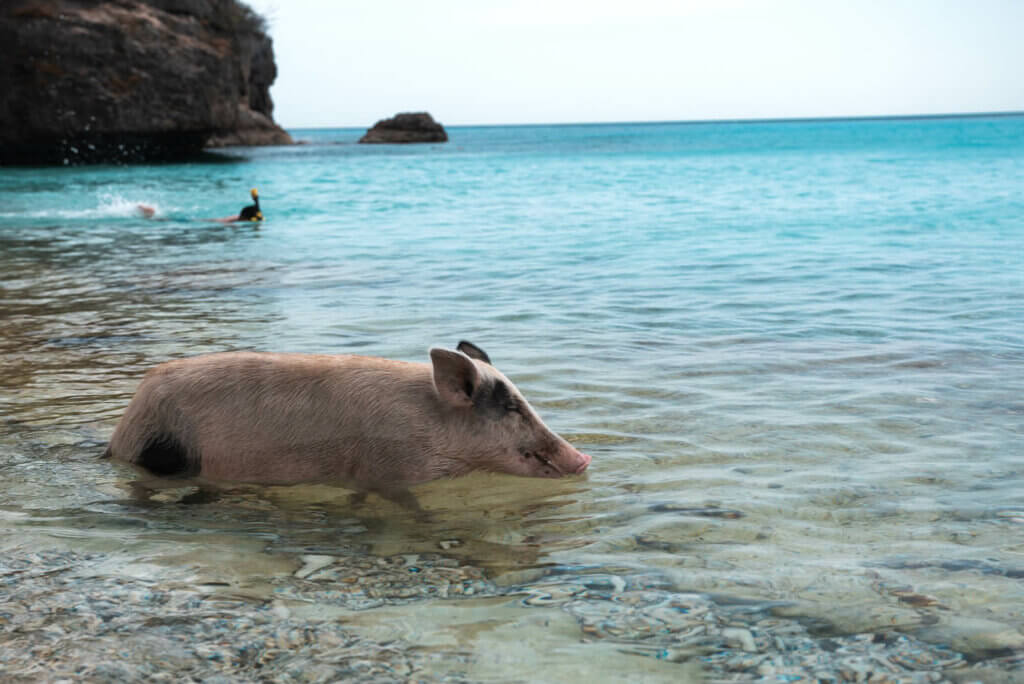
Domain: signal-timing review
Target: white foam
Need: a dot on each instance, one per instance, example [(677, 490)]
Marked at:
[(110, 205), (114, 206)]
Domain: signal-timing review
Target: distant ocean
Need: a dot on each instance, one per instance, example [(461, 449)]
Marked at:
[(794, 349)]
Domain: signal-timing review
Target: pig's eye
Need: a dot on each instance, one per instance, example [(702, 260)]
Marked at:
[(512, 407)]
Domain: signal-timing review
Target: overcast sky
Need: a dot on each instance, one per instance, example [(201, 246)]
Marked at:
[(349, 63)]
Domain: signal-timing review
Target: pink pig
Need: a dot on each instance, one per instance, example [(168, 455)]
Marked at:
[(373, 424)]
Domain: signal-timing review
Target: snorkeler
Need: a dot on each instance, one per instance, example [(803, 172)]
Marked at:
[(249, 213)]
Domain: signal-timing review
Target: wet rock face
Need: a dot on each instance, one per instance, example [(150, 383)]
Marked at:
[(131, 80), (418, 127)]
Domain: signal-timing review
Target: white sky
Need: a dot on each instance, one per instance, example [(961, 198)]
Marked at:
[(352, 62)]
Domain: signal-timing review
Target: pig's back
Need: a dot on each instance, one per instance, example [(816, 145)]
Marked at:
[(268, 417)]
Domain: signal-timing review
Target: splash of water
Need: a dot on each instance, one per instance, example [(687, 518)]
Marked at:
[(108, 205)]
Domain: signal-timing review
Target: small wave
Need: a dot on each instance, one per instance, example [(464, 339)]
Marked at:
[(115, 206), (109, 206)]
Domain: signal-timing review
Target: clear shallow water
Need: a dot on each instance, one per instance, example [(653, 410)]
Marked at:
[(795, 351)]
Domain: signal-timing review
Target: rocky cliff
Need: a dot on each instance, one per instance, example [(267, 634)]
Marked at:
[(132, 80)]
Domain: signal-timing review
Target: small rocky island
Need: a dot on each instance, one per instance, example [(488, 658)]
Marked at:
[(132, 80), (410, 127)]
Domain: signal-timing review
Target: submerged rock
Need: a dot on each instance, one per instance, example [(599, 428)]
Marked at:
[(132, 80), (417, 127), (64, 613)]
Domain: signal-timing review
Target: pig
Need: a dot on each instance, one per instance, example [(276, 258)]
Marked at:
[(372, 424)]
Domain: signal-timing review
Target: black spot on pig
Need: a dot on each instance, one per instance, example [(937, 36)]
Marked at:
[(164, 455), (495, 400)]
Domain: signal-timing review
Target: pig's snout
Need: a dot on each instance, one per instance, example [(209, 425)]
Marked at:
[(584, 462), (563, 459), (574, 461)]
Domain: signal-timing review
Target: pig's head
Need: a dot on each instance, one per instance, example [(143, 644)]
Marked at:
[(496, 427)]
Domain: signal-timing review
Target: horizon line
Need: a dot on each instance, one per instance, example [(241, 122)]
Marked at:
[(756, 120)]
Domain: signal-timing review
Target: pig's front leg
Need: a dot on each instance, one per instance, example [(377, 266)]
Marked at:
[(404, 498), (408, 501)]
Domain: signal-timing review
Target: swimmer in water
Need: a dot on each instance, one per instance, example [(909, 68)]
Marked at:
[(249, 213)]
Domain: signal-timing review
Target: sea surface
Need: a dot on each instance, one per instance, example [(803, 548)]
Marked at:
[(795, 351)]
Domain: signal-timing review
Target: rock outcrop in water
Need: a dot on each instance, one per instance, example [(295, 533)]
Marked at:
[(132, 80), (416, 127)]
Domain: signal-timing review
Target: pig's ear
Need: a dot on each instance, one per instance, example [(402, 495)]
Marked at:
[(473, 351), (455, 376)]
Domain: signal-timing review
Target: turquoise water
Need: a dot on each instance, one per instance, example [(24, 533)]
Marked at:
[(816, 327)]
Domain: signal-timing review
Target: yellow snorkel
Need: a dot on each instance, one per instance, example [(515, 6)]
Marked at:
[(252, 212), (256, 198)]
